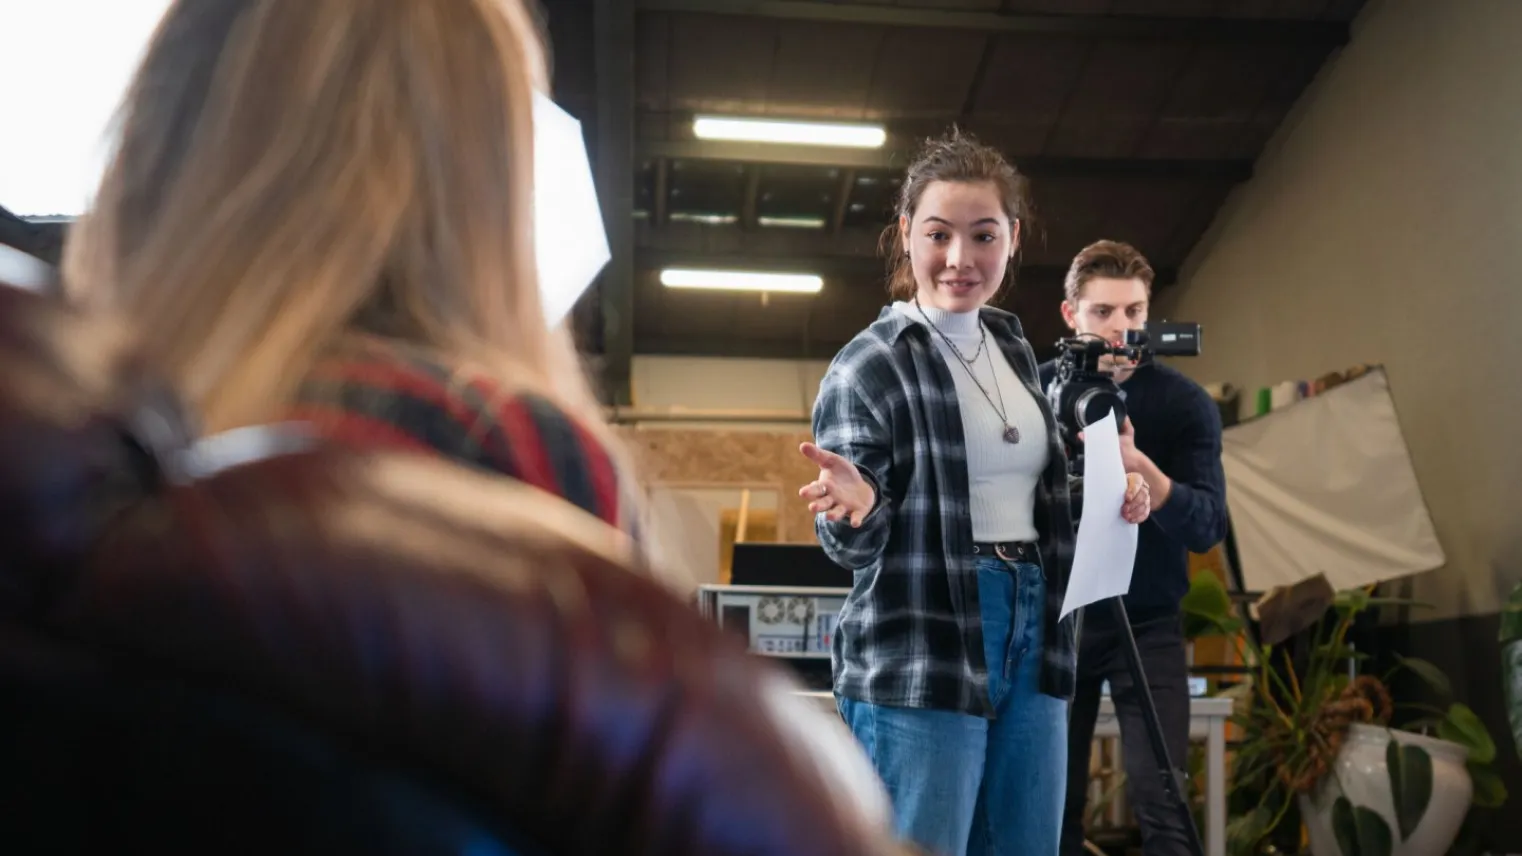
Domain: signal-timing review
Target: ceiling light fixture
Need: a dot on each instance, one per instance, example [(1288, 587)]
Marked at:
[(795, 133), (791, 222), (707, 219), (738, 280)]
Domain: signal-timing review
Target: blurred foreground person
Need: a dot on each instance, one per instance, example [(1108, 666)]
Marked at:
[(321, 210), (326, 652)]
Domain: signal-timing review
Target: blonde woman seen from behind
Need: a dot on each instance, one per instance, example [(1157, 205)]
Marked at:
[(321, 210)]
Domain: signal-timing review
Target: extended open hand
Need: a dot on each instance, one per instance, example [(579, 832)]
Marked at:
[(840, 491)]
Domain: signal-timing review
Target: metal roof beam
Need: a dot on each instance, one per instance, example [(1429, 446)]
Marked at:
[(889, 159), (613, 26), (851, 267), (1217, 30)]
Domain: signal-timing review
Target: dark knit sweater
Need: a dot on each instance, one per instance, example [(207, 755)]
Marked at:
[(1178, 427)]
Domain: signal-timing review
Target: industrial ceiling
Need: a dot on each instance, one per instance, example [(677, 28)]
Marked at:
[(1134, 119)]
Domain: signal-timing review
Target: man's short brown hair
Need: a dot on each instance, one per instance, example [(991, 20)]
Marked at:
[(1106, 260)]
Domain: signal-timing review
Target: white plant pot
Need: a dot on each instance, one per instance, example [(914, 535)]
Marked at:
[(1365, 779)]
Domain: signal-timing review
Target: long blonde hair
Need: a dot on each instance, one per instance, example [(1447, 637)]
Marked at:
[(283, 167)]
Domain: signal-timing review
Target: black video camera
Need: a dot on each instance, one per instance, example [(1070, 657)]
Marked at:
[(1081, 394)]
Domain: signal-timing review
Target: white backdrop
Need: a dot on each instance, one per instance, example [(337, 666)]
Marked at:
[(1326, 485)]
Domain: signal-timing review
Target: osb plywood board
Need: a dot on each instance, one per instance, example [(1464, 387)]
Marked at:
[(719, 457)]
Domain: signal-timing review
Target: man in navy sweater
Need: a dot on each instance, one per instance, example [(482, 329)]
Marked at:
[(1175, 443)]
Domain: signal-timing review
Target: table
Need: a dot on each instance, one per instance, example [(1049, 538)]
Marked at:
[(1207, 722)]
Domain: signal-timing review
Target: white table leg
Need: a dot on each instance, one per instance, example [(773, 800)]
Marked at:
[(1215, 788)]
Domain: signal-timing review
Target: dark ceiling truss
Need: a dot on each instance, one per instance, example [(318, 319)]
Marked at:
[(1241, 31), (614, 39), (829, 266), (1135, 127), (891, 160), (43, 240), (16, 232)]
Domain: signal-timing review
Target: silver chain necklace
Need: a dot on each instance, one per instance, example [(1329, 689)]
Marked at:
[(1011, 433)]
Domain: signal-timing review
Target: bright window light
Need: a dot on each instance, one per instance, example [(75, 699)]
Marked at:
[(796, 133), (737, 280), (55, 144), (76, 57)]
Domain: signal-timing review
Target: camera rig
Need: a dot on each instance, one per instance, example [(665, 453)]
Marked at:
[(1082, 393)]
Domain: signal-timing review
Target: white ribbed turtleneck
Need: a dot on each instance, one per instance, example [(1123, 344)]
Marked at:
[(1003, 476)]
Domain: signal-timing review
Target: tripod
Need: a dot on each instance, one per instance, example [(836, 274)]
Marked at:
[(1080, 395), (1172, 777)]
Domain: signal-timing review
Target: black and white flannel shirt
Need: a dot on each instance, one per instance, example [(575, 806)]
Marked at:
[(910, 633)]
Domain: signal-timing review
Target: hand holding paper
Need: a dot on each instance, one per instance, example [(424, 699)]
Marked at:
[(1106, 548)]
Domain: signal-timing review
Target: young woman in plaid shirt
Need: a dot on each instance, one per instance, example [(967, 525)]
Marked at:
[(944, 486)]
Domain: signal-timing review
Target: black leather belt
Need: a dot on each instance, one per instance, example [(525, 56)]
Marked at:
[(1010, 551)]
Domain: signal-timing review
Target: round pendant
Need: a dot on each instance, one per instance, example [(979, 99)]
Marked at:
[(1011, 434)]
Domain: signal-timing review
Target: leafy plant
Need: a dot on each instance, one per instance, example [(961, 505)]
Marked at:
[(1207, 608), (1360, 831), (1410, 769), (1457, 723), (1510, 638), (1294, 719)]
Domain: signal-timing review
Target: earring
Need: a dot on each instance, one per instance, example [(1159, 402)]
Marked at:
[(906, 254)]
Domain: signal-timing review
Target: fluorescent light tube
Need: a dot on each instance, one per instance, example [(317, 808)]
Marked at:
[(737, 280), (705, 219), (797, 133), (791, 222)]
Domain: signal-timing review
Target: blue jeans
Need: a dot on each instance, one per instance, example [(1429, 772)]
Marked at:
[(964, 784)]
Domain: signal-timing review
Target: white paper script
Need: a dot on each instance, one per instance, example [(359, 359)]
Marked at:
[(1106, 549)]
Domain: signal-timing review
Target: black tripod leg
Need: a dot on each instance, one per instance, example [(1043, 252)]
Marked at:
[(1173, 777)]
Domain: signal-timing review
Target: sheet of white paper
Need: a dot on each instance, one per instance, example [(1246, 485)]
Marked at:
[(1106, 549)]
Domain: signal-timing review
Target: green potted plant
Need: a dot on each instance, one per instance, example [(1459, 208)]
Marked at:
[(1312, 730), (1510, 637)]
